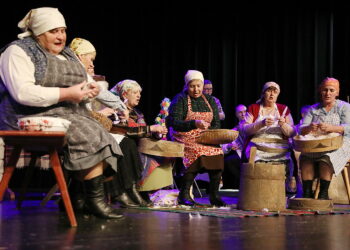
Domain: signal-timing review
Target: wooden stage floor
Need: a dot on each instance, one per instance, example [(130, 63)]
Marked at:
[(35, 227)]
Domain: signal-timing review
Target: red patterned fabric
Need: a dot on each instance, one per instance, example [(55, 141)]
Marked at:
[(255, 108), (194, 150)]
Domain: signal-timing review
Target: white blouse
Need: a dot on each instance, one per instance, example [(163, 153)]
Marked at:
[(17, 72)]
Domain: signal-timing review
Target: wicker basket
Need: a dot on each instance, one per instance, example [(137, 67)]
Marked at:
[(217, 136), (104, 120), (161, 147), (315, 146)]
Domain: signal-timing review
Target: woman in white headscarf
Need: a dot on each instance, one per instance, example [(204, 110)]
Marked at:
[(134, 129), (190, 113), (40, 76), (268, 126)]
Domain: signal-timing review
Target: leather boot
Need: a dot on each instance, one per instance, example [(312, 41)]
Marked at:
[(307, 189), (323, 194), (77, 196), (214, 198), (124, 200), (136, 197), (184, 197), (95, 199), (145, 197)]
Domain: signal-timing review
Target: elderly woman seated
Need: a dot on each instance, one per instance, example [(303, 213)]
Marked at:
[(135, 128), (328, 116), (122, 188), (269, 125), (52, 82), (190, 113)]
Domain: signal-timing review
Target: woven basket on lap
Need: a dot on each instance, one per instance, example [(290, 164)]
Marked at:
[(315, 146), (217, 136), (104, 120)]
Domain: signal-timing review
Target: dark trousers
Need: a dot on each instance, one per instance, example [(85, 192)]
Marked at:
[(230, 176), (129, 169)]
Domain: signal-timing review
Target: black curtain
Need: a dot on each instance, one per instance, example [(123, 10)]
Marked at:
[(238, 48)]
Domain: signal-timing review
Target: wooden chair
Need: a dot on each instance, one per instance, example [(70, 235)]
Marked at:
[(49, 142), (345, 178)]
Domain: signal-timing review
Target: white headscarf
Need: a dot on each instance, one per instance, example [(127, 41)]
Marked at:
[(82, 46), (40, 20), (192, 75), (266, 86), (123, 86)]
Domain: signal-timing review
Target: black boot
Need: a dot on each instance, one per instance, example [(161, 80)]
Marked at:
[(184, 197), (323, 194), (145, 197), (307, 189), (77, 196), (136, 197), (214, 198), (124, 200), (95, 199)]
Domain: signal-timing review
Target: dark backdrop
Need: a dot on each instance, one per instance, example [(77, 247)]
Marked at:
[(238, 47)]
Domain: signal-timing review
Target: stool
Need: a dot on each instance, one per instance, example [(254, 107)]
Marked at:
[(345, 178), (39, 141)]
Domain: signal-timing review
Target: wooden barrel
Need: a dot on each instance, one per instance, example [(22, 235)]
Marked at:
[(262, 186)]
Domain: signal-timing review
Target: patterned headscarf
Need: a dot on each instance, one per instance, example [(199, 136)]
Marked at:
[(40, 20), (82, 46)]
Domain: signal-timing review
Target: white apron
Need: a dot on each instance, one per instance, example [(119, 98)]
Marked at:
[(270, 133)]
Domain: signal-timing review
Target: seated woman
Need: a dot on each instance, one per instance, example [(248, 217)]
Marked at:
[(330, 115), (86, 53), (136, 127), (190, 113), (270, 121), (123, 189), (40, 76)]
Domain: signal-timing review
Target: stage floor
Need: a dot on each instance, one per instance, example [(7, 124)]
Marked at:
[(35, 227)]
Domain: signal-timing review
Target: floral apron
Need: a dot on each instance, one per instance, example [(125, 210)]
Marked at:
[(194, 150)]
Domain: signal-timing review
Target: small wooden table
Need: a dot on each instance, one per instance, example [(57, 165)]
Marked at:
[(50, 142)]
